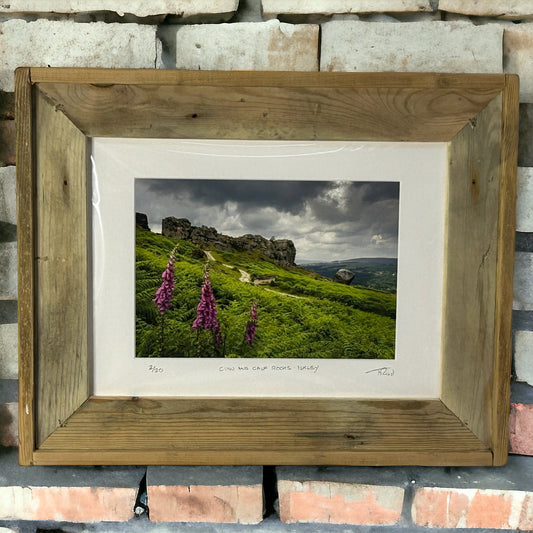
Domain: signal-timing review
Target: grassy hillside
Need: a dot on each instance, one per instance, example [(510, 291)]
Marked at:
[(300, 315)]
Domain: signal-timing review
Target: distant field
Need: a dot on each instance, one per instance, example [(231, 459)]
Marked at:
[(299, 315)]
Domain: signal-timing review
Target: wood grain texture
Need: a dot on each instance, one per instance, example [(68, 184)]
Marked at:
[(95, 76), (192, 456), (501, 400), (471, 246), (268, 112), (61, 267), (25, 251), (265, 431), (466, 427)]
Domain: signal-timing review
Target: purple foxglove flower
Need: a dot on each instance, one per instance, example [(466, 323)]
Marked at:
[(163, 295), (206, 312), (251, 325)]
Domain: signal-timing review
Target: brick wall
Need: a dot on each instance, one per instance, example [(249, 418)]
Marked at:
[(332, 35)]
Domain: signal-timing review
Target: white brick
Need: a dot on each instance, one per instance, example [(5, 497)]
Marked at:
[(510, 9), (524, 203), (411, 47), (523, 356), (139, 8), (523, 281), (517, 57), (8, 351), (248, 46), (274, 8), (8, 270), (71, 44), (8, 208)]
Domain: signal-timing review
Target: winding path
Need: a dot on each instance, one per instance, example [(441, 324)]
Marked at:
[(246, 278)]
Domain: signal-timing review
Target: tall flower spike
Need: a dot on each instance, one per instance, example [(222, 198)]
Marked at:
[(251, 325), (206, 312), (163, 295)]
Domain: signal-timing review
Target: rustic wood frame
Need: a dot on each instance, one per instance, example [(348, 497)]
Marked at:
[(58, 110)]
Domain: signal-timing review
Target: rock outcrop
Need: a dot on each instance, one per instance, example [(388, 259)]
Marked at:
[(343, 275), (141, 220), (281, 250)]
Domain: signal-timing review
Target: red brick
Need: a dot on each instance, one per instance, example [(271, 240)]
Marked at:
[(69, 504), (521, 429), (7, 142), (204, 503), (9, 424), (472, 508), (339, 503)]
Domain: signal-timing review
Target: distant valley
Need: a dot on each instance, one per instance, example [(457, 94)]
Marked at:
[(378, 273)]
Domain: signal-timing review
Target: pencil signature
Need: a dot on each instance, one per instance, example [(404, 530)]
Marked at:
[(383, 371)]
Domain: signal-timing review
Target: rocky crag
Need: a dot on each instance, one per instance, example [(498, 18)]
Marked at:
[(282, 251)]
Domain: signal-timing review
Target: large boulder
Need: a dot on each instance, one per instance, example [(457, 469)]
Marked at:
[(343, 275)]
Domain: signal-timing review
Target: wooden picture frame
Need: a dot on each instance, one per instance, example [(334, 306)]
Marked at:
[(58, 110)]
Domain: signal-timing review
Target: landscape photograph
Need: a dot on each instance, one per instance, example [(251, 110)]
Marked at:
[(266, 268)]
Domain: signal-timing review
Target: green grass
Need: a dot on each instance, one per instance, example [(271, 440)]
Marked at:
[(326, 320)]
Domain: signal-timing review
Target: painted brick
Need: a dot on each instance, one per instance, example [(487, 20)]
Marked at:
[(523, 356), (71, 44), (8, 351), (517, 49), (472, 508), (510, 9), (372, 47), (7, 142), (8, 268), (522, 393), (69, 504), (8, 313), (8, 391), (523, 281), (275, 8), (7, 106), (9, 424), (524, 204), (223, 494), (339, 503), (8, 185), (525, 137), (248, 46), (185, 9), (521, 429)]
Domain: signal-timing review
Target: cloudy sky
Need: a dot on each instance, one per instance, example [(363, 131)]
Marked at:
[(327, 220)]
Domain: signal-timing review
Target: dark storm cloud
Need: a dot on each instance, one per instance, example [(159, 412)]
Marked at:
[(375, 192), (367, 206), (288, 196), (326, 219)]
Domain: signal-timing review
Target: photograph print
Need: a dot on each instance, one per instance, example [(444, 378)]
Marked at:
[(266, 269)]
